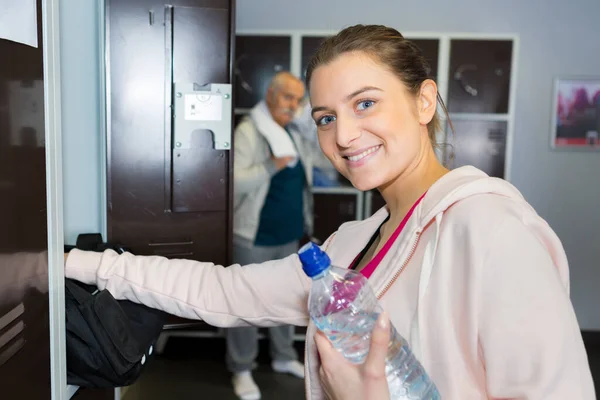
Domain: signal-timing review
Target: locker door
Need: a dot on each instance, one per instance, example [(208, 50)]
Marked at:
[(24, 320), (169, 188)]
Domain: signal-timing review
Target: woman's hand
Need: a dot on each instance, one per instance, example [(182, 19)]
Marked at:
[(343, 380)]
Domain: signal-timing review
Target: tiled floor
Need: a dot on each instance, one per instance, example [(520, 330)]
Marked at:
[(194, 369)]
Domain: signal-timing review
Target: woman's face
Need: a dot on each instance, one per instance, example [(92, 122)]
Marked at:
[(369, 126)]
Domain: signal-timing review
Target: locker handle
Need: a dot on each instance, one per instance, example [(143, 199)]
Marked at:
[(159, 244)]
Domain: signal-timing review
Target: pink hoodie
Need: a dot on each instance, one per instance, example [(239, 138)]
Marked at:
[(476, 282)]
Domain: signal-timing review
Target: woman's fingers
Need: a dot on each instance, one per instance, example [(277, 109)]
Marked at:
[(374, 366)]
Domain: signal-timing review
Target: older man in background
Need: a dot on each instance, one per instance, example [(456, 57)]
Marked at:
[(273, 164)]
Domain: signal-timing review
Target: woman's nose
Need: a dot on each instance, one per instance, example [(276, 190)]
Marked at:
[(347, 131)]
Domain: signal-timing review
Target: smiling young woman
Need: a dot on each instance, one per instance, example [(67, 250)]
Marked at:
[(467, 271)]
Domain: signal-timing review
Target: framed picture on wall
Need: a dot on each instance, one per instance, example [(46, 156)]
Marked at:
[(576, 114)]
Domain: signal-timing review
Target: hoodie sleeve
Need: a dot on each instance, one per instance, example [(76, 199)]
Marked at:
[(528, 333), (266, 294)]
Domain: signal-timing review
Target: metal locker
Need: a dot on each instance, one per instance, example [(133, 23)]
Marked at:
[(24, 300), (169, 120)]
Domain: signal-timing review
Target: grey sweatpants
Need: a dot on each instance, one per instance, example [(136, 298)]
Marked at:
[(242, 343)]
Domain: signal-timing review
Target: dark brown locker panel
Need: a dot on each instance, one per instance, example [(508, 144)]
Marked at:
[(331, 210), (430, 49), (257, 59), (479, 80), (199, 171), (24, 313), (481, 144), (310, 44), (164, 199), (209, 31)]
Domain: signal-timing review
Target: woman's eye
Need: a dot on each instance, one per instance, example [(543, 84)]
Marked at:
[(365, 104), (326, 120)]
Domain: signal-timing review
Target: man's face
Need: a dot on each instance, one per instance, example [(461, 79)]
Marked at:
[(283, 100)]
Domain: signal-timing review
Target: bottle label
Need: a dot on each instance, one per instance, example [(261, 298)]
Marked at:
[(344, 293)]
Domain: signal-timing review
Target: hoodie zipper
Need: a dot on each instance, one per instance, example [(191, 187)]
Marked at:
[(397, 274), (306, 357)]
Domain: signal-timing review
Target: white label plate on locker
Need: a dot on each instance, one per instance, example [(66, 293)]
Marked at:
[(203, 107)]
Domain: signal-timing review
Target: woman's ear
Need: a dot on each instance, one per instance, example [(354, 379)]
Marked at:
[(427, 101)]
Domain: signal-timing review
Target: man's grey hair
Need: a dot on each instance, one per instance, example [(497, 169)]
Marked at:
[(279, 78)]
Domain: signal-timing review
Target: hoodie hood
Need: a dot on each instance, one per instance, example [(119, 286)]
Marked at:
[(460, 184), (453, 187)]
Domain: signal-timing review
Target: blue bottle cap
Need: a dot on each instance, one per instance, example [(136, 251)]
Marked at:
[(314, 260)]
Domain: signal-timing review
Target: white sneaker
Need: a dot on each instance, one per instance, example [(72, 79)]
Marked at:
[(244, 386), (293, 367)]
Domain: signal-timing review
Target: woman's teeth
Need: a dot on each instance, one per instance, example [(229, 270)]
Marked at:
[(363, 154)]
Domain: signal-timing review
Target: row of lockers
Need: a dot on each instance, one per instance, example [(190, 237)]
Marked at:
[(478, 71)]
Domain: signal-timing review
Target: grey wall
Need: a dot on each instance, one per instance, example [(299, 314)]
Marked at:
[(556, 38), (83, 185)]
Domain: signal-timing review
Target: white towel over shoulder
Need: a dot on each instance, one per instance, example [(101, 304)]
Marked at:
[(279, 140)]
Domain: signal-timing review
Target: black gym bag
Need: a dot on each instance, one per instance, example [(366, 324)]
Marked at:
[(108, 341)]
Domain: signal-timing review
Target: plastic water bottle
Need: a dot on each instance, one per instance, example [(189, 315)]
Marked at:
[(343, 306)]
